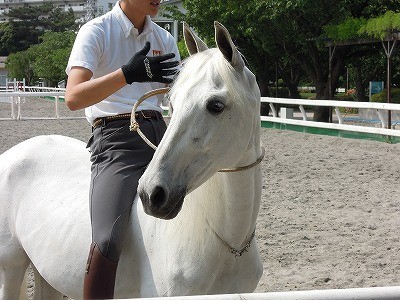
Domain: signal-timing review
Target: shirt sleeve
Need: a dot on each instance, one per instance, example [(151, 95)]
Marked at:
[(88, 48)]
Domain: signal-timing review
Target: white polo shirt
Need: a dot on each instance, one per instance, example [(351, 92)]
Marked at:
[(106, 43)]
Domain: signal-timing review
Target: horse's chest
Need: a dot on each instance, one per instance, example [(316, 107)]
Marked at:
[(216, 273)]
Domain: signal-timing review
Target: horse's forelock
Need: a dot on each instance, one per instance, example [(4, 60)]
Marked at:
[(240, 85), (211, 66), (193, 71)]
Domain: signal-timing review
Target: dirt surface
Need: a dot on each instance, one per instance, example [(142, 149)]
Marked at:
[(330, 212)]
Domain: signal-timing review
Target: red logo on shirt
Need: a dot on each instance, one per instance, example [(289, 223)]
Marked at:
[(157, 52)]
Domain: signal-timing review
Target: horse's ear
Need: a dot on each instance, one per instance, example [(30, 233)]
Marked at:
[(227, 47), (193, 43)]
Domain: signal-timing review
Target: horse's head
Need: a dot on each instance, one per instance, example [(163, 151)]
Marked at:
[(215, 103)]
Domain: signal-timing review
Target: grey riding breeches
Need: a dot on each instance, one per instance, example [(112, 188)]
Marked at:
[(119, 158)]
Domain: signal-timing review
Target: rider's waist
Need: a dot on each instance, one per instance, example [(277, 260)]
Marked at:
[(139, 116)]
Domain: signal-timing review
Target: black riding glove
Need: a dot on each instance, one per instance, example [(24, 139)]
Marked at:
[(142, 68)]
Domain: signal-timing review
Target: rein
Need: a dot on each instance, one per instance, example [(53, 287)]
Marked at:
[(135, 127), (134, 124)]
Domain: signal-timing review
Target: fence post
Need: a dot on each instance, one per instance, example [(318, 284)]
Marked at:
[(19, 107), (57, 113), (12, 108)]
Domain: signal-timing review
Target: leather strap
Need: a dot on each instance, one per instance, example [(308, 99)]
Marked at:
[(145, 114)]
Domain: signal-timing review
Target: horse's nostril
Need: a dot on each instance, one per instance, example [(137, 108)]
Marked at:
[(158, 196)]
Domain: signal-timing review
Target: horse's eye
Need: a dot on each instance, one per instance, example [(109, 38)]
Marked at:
[(215, 106)]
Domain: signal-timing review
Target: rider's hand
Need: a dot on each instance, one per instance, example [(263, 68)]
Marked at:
[(143, 68)]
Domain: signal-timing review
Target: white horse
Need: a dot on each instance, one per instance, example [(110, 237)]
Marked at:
[(203, 184)]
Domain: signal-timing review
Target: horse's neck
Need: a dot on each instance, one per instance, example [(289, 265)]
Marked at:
[(228, 203)]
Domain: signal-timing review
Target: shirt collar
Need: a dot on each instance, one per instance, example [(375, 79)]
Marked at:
[(127, 26)]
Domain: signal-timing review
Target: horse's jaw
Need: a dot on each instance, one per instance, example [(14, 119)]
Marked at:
[(163, 194)]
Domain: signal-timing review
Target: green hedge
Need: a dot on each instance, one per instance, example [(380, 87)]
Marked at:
[(381, 97)]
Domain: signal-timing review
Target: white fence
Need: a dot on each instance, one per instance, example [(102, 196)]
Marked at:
[(14, 101), (43, 89), (374, 293), (381, 108)]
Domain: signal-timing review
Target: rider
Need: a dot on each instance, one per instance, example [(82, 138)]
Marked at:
[(116, 58)]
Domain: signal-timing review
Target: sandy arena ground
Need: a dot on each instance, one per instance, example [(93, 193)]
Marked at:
[(330, 212)]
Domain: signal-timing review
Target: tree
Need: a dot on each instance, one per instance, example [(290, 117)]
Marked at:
[(46, 60), (367, 60), (51, 55), (59, 21), (6, 39), (19, 65), (236, 17), (369, 66), (270, 32), (27, 24)]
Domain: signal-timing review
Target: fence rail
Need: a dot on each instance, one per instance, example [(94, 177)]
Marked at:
[(43, 89), (382, 109), (372, 293), (17, 99)]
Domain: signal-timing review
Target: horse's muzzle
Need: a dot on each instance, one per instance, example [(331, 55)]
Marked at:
[(161, 204)]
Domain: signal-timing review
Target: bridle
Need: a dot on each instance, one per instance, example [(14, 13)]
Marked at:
[(134, 126)]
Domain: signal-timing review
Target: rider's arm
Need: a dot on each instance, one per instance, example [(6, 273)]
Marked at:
[(82, 92)]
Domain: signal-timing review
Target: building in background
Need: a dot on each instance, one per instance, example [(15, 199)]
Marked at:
[(80, 8), (174, 27), (86, 9)]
